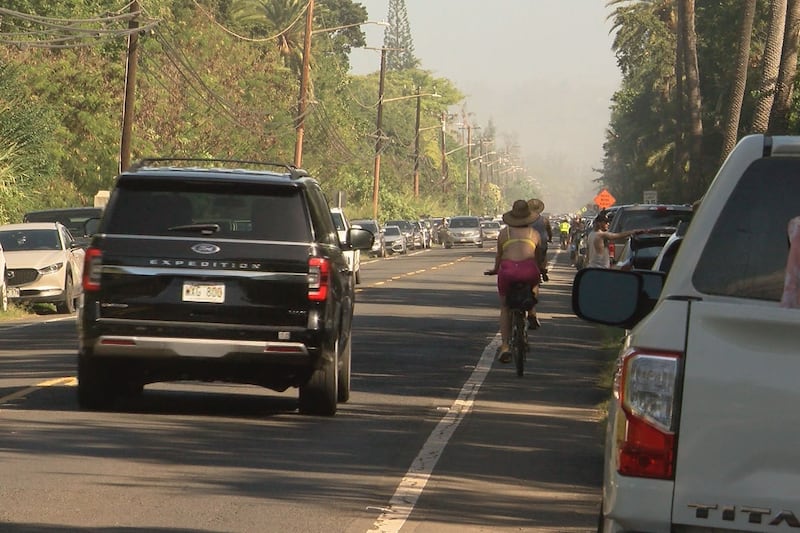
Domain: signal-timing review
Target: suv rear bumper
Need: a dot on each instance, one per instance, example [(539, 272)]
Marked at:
[(169, 347)]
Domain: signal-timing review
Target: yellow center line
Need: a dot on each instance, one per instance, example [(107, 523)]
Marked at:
[(68, 381)]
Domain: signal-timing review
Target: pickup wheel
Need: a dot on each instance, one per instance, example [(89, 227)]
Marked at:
[(95, 391), (343, 389), (318, 395)]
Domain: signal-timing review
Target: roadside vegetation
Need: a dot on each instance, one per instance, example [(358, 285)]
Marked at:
[(220, 78)]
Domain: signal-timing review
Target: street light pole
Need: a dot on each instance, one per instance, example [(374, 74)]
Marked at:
[(302, 100), (416, 145)]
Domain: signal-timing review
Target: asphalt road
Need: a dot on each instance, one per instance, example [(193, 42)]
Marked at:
[(437, 436)]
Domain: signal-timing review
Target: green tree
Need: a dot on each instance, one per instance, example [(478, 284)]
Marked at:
[(397, 38)]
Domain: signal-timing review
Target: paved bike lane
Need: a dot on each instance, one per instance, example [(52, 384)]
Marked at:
[(528, 455)]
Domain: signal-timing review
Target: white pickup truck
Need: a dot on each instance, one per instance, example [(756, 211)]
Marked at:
[(704, 423)]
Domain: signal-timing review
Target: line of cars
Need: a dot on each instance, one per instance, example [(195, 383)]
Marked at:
[(398, 236), (666, 223)]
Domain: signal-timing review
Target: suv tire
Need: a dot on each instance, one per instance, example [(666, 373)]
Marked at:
[(318, 396), (343, 386), (94, 390)]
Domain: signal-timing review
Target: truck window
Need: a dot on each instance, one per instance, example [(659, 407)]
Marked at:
[(746, 252)]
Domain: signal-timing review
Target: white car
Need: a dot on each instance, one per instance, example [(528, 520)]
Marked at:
[(702, 422), (44, 264), (353, 257)]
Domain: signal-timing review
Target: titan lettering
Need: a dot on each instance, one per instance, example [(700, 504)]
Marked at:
[(754, 515)]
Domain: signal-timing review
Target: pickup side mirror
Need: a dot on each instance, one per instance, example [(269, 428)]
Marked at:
[(615, 297)]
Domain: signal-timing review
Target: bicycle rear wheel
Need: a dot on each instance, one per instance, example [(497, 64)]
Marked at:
[(519, 341)]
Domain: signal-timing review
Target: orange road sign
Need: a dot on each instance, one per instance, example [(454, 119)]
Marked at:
[(604, 199)]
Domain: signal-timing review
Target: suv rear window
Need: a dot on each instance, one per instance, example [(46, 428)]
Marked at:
[(248, 212), (636, 218), (746, 253)]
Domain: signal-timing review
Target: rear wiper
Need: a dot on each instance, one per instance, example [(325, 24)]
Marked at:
[(205, 229)]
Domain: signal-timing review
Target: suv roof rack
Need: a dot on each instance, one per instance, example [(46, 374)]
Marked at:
[(294, 172)]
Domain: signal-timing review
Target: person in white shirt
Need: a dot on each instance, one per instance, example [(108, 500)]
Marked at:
[(597, 242)]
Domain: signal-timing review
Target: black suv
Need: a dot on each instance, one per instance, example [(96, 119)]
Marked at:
[(215, 273)]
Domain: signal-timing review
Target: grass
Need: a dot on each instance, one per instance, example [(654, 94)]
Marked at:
[(610, 344), (21, 311)]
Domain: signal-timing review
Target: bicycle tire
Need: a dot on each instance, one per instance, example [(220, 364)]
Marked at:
[(519, 341)]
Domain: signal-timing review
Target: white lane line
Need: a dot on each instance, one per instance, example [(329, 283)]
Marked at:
[(413, 483)]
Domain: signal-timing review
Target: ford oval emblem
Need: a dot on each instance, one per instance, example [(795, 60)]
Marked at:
[(205, 248)]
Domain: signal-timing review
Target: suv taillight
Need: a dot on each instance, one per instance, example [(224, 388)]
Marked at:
[(92, 265), (646, 390), (612, 249), (318, 279)]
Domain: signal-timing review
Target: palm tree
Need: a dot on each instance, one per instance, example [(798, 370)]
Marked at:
[(779, 117), (770, 66), (691, 113), (282, 18), (730, 131)]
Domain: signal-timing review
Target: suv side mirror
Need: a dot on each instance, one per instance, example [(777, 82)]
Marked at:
[(90, 226), (615, 297)]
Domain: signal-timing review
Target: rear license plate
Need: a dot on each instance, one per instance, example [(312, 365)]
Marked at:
[(13, 292), (213, 293)]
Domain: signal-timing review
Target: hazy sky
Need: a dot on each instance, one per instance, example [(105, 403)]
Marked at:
[(542, 70)]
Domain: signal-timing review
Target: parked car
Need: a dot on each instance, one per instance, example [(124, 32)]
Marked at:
[(700, 425), (379, 245), (352, 256), (666, 256), (74, 218), (222, 271), (395, 240), (44, 264), (463, 230), (424, 235), (491, 230), (640, 251), (644, 216), (408, 231)]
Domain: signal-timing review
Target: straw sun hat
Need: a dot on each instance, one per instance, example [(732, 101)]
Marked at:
[(520, 214)]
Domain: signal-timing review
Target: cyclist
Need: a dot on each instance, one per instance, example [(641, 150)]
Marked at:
[(515, 261), (564, 228), (542, 225)]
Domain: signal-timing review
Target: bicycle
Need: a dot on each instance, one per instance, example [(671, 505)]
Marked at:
[(520, 300)]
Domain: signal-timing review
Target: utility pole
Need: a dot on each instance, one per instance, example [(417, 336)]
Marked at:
[(302, 100), (469, 157), (130, 89), (376, 175), (416, 145), (443, 147)]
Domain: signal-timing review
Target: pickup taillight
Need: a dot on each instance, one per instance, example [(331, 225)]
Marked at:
[(319, 279), (646, 390), (92, 265)]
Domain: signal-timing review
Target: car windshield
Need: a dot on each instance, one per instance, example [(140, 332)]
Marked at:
[(37, 239), (338, 221), (490, 225), (392, 230), (464, 223)]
